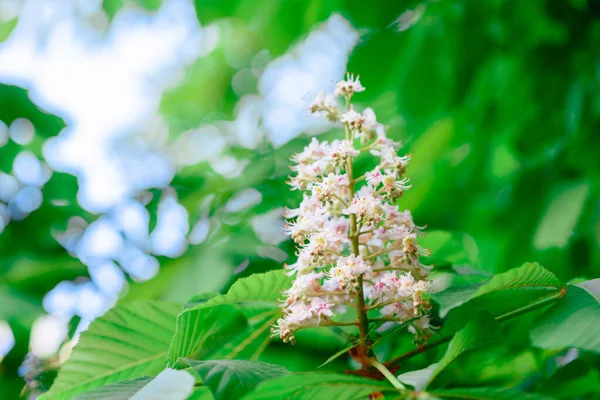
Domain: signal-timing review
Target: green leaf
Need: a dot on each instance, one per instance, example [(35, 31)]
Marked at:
[(199, 299), (309, 386), (171, 384), (199, 332), (202, 393), (256, 293), (250, 342), (504, 293), (577, 379), (573, 321), (338, 354), (419, 378), (122, 390), (531, 277), (561, 216), (487, 393), (482, 331), (127, 342), (231, 379), (255, 297)]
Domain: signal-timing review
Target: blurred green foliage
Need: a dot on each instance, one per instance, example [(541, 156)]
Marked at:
[(498, 101)]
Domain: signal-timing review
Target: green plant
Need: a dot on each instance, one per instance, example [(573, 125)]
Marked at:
[(216, 346)]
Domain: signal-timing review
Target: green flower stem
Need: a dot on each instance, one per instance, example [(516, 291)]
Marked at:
[(383, 251), (361, 313)]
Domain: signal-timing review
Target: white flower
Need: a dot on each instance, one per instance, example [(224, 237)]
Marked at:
[(374, 177), (410, 246), (393, 233), (319, 309), (397, 310), (304, 264), (325, 105), (349, 86), (394, 217), (304, 284), (306, 175), (315, 151), (299, 314), (383, 141), (309, 205), (282, 329), (353, 118), (325, 241), (331, 185), (419, 288), (393, 187), (366, 208), (389, 159), (335, 204), (370, 122), (342, 149), (347, 271), (389, 287)]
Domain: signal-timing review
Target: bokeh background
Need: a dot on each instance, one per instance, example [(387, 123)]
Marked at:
[(144, 144)]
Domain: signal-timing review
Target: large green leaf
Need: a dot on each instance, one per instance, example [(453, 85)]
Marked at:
[(127, 342), (122, 390), (231, 379), (573, 321), (258, 293), (531, 277), (201, 331), (577, 379), (171, 384), (202, 393), (255, 298), (419, 378), (249, 343), (487, 393), (504, 293), (309, 386), (482, 331)]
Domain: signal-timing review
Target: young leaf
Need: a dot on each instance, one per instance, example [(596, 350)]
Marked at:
[(487, 393), (199, 332), (482, 331), (309, 386), (231, 379), (127, 342), (573, 321)]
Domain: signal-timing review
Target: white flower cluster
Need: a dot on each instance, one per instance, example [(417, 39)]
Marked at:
[(355, 248)]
